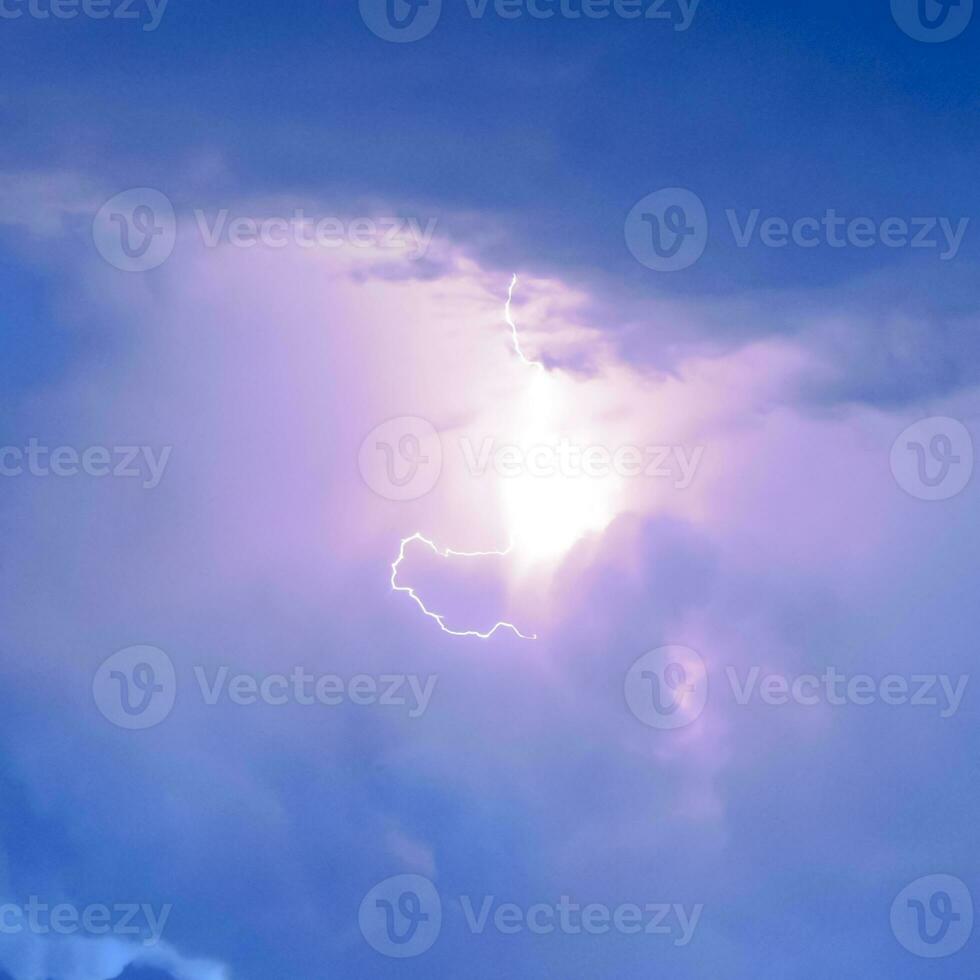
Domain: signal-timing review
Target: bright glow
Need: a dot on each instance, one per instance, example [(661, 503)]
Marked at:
[(546, 513)]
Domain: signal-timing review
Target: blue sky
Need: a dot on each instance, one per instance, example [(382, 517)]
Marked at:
[(789, 528)]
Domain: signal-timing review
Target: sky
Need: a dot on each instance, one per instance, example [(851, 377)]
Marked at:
[(488, 487)]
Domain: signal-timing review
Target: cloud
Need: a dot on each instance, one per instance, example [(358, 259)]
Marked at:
[(34, 957), (262, 548)]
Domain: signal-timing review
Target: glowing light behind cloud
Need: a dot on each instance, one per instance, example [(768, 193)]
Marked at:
[(545, 512), (548, 514)]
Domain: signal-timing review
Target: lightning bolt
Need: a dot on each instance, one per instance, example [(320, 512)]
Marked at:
[(439, 618), (513, 327)]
